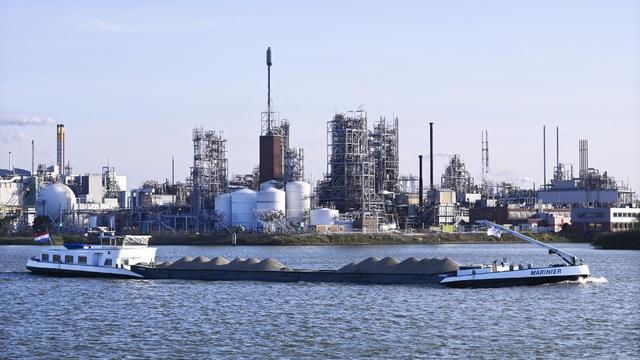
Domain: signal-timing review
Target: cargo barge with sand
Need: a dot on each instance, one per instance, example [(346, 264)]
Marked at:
[(377, 271)]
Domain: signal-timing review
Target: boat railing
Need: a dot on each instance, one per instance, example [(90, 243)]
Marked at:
[(127, 240)]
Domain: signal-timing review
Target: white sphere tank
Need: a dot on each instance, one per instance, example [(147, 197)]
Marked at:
[(269, 200), (323, 216), (243, 204), (298, 199), (223, 207), (54, 199)]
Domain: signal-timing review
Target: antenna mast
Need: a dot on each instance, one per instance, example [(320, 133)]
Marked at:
[(269, 132)]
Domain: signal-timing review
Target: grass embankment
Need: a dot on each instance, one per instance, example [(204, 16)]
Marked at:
[(622, 240), (302, 239)]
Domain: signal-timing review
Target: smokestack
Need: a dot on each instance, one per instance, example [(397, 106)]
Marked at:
[(583, 152), (60, 148), (544, 157), (431, 156), (558, 149), (173, 171), (33, 162), (420, 194), (10, 165)]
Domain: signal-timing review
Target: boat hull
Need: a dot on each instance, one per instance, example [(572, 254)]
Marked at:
[(65, 270), (537, 276)]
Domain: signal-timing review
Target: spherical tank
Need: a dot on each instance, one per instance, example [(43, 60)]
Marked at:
[(223, 207), (54, 199), (298, 198), (243, 204), (269, 200), (323, 216)]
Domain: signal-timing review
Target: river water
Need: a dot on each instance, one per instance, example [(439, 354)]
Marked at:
[(46, 317)]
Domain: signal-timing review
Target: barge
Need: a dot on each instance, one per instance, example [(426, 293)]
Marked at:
[(379, 271)]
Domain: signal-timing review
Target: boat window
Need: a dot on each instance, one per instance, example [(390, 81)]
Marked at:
[(68, 259), (82, 259), (45, 257), (108, 262), (56, 258)]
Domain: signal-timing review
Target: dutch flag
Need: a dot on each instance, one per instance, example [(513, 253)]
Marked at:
[(42, 237)]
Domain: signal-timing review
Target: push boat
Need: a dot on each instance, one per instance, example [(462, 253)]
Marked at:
[(506, 274), (112, 258)]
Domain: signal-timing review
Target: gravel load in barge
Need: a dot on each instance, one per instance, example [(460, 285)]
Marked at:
[(369, 271)]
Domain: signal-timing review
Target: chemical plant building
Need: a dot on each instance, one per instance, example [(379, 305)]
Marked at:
[(362, 189)]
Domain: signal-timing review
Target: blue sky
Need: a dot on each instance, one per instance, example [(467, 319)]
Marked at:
[(131, 79)]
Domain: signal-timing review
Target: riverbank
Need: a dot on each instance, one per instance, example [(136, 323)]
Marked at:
[(307, 239)]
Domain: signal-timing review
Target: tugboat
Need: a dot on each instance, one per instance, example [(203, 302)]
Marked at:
[(112, 258), (506, 274)]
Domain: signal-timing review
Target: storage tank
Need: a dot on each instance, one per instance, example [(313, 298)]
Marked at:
[(269, 184), (298, 200), (269, 200), (322, 216), (54, 199), (243, 204), (223, 208)]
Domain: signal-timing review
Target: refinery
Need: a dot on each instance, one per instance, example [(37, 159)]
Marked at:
[(362, 190)]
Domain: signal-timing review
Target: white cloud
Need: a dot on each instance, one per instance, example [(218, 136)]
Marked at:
[(7, 120)]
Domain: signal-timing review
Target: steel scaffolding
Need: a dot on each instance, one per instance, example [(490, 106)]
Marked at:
[(209, 171), (456, 177), (293, 158), (384, 147), (350, 180)]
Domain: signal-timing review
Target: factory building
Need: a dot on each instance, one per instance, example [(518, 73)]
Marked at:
[(590, 188), (605, 219)]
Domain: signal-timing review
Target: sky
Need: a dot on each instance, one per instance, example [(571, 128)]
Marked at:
[(130, 80)]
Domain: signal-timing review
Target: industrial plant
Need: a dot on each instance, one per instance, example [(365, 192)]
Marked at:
[(362, 189)]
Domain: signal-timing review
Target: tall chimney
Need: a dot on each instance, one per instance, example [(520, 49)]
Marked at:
[(60, 148), (558, 150), (173, 172), (431, 156), (544, 157), (420, 186), (33, 162)]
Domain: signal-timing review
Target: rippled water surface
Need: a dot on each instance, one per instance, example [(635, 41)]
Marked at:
[(45, 317)]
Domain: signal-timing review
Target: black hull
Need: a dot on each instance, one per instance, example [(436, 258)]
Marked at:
[(73, 273), (492, 283), (286, 276)]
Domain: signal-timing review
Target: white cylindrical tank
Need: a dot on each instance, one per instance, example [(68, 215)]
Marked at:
[(268, 184), (323, 216), (243, 204), (54, 199), (298, 199), (223, 208), (269, 200)]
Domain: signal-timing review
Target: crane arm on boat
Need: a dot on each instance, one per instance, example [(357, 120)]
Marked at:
[(568, 258)]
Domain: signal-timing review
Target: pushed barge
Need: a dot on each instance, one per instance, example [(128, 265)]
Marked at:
[(369, 271), (374, 271)]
